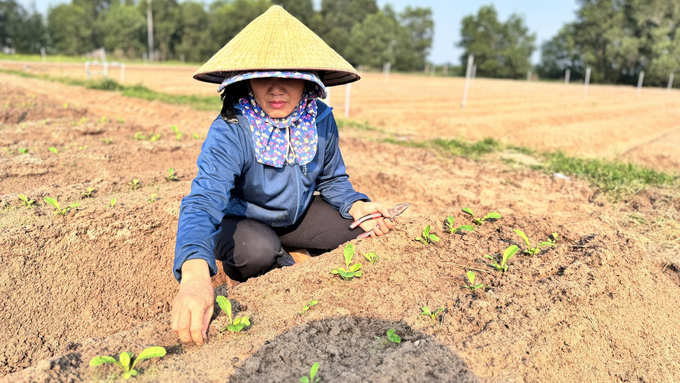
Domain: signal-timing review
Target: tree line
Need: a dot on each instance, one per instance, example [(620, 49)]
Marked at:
[(357, 29)]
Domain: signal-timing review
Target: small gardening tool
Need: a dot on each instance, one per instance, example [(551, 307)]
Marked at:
[(393, 211)]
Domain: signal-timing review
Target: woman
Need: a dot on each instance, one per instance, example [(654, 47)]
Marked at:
[(271, 181)]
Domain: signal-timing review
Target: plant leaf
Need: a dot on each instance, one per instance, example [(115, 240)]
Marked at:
[(52, 202), (392, 336), (426, 231), (471, 277), (490, 257), (546, 244), (469, 211), (225, 305), (335, 271), (358, 273), (450, 219), (127, 375), (355, 267), (148, 353), (245, 321), (314, 370), (73, 205), (101, 359), (346, 274), (509, 252), (524, 237), (313, 303), (434, 238), (493, 215), (348, 253), (304, 379), (133, 372), (124, 359)]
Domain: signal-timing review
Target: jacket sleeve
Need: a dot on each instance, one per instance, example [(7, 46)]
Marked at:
[(220, 162), (333, 182)]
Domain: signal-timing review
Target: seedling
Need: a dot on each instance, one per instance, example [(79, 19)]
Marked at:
[(25, 201), (308, 306), (535, 250), (371, 257), (507, 254), (471, 279), (234, 325), (312, 374), (155, 137), (103, 120), (350, 271), (196, 136), (454, 230), (113, 203), (178, 134), (427, 236), (53, 150), (152, 199), (479, 221), (134, 184), (82, 121), (120, 120), (172, 175), (23, 150), (65, 105), (433, 315), (125, 357), (140, 136), (58, 209), (88, 193), (392, 336), (107, 141)]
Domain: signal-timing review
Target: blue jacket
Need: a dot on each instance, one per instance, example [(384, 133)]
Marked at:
[(231, 182)]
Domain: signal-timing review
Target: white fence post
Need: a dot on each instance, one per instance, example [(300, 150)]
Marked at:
[(567, 73), (445, 70), (474, 71), (433, 70), (640, 79), (427, 68), (587, 82), (42, 53), (122, 72), (87, 69), (348, 89), (528, 76), (468, 74), (670, 82), (386, 69)]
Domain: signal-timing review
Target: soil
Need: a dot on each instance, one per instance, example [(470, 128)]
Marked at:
[(601, 306)]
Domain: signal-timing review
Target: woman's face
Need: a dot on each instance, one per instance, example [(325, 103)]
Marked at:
[(278, 97)]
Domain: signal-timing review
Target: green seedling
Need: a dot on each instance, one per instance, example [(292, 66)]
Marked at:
[(507, 254), (535, 250), (454, 230), (433, 315), (140, 136), (58, 209), (392, 336), (107, 141), (312, 374), (113, 203), (125, 357), (82, 121), (479, 221), (152, 199), (23, 150), (350, 271), (155, 137), (197, 136), (471, 278), (120, 120), (234, 325), (134, 184), (427, 236), (65, 105), (88, 193), (103, 120), (25, 201), (308, 306), (53, 150), (178, 134), (172, 175), (371, 257)]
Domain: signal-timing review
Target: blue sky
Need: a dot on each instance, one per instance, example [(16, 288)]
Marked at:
[(542, 16)]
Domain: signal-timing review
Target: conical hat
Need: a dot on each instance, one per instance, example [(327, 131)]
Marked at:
[(277, 41)]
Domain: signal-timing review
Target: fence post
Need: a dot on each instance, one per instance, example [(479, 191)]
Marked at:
[(122, 73), (87, 69), (468, 74), (433, 70), (670, 82), (386, 68), (42, 53), (427, 68), (528, 76), (445, 70), (348, 89), (474, 71), (587, 82), (567, 73), (640, 79)]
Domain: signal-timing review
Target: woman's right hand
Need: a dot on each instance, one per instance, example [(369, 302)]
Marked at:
[(193, 305)]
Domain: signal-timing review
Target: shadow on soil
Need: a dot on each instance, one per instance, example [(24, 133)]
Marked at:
[(354, 349)]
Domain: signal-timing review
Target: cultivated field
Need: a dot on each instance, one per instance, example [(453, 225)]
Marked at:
[(602, 306)]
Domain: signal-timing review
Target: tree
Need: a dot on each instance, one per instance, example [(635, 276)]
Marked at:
[(339, 16), (239, 13), (373, 41), (166, 25), (195, 37), (70, 30), (559, 54), (20, 29), (124, 29), (416, 42)]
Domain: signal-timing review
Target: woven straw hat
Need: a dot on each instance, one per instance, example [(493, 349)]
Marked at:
[(277, 41)]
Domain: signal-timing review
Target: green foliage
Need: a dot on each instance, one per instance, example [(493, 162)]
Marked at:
[(308, 306), (21, 29), (433, 315), (126, 357), (112, 204), (452, 229), (234, 325), (152, 199), (53, 150), (107, 141), (23, 150), (535, 250), (348, 272), (471, 278), (103, 120), (371, 257), (392, 336), (25, 201), (178, 134), (172, 175), (467, 149), (134, 184), (87, 193), (507, 254), (479, 221), (120, 120), (196, 136), (57, 208), (312, 375), (426, 238)]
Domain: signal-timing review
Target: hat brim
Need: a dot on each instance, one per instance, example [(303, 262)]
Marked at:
[(308, 76), (329, 77)]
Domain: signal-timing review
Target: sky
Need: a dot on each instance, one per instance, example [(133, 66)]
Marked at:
[(543, 17)]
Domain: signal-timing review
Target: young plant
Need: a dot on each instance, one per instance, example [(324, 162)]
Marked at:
[(312, 375), (507, 254), (371, 257), (125, 357), (392, 336), (103, 120), (433, 315), (351, 271), (120, 120), (454, 230), (58, 209), (53, 150), (88, 193), (479, 221), (153, 198), (172, 175), (140, 136), (308, 306), (25, 201), (155, 137), (234, 325), (535, 250), (107, 141), (427, 236), (471, 279), (178, 134), (134, 184), (23, 150), (196, 136), (113, 203)]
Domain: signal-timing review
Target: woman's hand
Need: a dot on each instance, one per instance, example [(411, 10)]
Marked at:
[(380, 226), (193, 305)]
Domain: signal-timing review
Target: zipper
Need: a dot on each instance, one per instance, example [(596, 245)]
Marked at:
[(297, 183)]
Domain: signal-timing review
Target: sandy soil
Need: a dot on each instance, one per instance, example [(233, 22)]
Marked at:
[(602, 306)]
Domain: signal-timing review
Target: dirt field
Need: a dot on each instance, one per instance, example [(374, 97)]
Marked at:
[(602, 306)]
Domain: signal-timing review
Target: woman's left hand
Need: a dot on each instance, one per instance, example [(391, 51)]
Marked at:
[(380, 226)]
